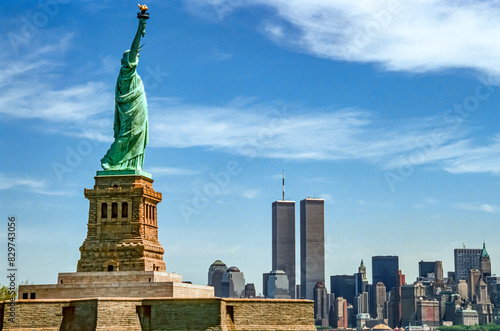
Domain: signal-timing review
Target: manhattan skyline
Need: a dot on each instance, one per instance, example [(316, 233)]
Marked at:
[(388, 114)]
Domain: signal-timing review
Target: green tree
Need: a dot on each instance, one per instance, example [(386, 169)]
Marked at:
[(4, 293)]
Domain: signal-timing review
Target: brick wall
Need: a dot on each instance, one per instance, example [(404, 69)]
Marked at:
[(126, 314), (33, 314), (256, 314), (118, 312), (183, 314)]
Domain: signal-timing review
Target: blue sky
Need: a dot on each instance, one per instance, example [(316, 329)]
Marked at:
[(388, 110)]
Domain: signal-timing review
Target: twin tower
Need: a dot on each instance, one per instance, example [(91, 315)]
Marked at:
[(312, 245)]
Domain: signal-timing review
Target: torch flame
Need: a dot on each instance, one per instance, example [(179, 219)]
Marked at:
[(143, 8)]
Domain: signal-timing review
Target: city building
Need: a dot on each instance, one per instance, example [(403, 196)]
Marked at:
[(466, 317), (380, 300), (428, 313), (465, 260), (339, 318), (463, 289), (283, 241), (298, 291), (362, 303), (265, 279), (361, 320), (277, 285), (485, 263), (233, 283), (482, 304), (312, 245), (321, 305), (215, 273), (343, 286), (250, 290), (474, 277), (394, 310), (361, 282), (493, 285), (432, 270), (410, 295), (385, 270)]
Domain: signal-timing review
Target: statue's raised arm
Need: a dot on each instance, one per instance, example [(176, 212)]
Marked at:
[(131, 110), (141, 31)]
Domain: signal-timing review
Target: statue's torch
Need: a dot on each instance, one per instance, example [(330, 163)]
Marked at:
[(143, 13)]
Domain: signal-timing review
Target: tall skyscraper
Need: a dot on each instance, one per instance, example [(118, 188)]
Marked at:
[(344, 286), (217, 265), (380, 299), (360, 280), (485, 263), (385, 270), (283, 233), (312, 245), (215, 273), (321, 305), (465, 260)]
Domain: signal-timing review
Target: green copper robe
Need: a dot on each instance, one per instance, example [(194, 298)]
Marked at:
[(131, 121)]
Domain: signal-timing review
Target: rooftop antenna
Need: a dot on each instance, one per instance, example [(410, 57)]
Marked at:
[(283, 183)]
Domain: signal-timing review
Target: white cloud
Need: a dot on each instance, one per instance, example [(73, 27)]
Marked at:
[(74, 103), (327, 197), (484, 207), (244, 126), (250, 194), (34, 185), (275, 131), (29, 86), (7, 182), (400, 35)]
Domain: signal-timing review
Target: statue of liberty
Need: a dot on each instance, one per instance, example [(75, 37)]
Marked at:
[(131, 111)]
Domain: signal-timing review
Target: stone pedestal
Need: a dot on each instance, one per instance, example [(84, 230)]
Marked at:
[(123, 226), (116, 284)]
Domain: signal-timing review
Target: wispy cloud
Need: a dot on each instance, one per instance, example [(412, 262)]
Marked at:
[(484, 207), (400, 35), (277, 131), (31, 87), (7, 182), (74, 103), (250, 194), (245, 126), (327, 197), (34, 185)]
